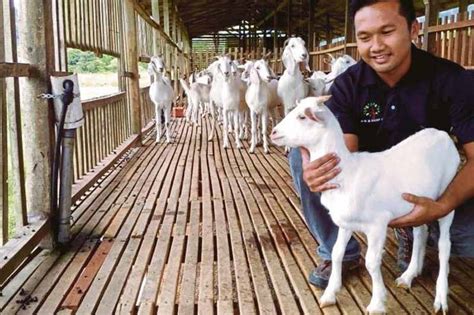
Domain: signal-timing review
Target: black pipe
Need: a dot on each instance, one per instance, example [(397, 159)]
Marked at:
[(66, 98)]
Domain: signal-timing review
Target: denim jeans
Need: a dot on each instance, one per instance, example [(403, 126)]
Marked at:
[(325, 231)]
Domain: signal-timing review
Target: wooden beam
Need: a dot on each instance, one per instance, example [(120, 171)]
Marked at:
[(131, 65), (288, 19), (279, 8), (13, 253), (15, 70), (35, 48), (166, 16)]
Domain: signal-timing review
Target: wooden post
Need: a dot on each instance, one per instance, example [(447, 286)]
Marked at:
[(275, 32), (155, 7), (312, 4), (166, 16), (131, 66), (3, 144), (328, 30), (288, 19), (34, 47), (431, 18), (463, 6), (348, 30)]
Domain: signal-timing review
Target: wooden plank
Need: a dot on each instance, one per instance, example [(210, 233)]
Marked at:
[(8, 69), (151, 286), (112, 295), (256, 205), (17, 249), (90, 226), (131, 211), (167, 296)]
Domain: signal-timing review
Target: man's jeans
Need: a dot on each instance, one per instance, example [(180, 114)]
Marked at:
[(325, 231)]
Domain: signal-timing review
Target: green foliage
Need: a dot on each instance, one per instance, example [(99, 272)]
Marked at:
[(86, 62)]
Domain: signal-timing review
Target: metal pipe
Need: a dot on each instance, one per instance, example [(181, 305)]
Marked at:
[(65, 190)]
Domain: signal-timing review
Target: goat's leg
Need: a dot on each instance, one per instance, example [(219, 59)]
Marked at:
[(167, 111), (237, 129), (337, 255), (225, 134), (264, 131), (213, 120), (444, 250), (242, 122), (420, 234), (373, 260), (158, 123), (253, 144)]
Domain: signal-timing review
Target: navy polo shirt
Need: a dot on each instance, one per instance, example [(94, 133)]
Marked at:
[(435, 92)]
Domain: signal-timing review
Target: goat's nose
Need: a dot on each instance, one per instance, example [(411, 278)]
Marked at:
[(304, 55), (226, 73), (273, 132)]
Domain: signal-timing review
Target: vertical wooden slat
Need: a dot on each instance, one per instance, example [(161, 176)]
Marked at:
[(3, 143)]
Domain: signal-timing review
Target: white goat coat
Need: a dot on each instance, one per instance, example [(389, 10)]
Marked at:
[(371, 184)]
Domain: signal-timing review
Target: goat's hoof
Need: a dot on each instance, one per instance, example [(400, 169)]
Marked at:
[(327, 299), (439, 304), (403, 283), (239, 146), (252, 151), (374, 309)]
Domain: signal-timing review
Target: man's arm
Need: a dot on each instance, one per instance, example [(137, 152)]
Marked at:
[(319, 172), (459, 190)]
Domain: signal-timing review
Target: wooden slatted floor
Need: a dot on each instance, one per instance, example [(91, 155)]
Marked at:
[(191, 228)]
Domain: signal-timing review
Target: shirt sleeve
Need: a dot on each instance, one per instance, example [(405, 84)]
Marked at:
[(461, 110), (341, 103)]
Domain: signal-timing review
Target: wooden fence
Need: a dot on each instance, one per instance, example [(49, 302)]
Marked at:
[(453, 38), (91, 25)]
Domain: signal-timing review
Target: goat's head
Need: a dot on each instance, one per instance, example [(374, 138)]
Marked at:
[(226, 66), (304, 125), (158, 62), (294, 53), (339, 65), (263, 70)]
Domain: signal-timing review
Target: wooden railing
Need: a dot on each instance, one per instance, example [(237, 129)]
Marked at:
[(147, 107), (106, 126)]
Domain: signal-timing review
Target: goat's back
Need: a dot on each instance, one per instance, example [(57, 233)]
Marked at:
[(423, 164)]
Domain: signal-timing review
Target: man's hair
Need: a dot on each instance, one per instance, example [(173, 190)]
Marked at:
[(406, 9)]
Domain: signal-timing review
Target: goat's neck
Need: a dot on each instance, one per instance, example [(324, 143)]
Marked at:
[(331, 141)]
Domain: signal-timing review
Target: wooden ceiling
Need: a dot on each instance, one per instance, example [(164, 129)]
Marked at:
[(208, 16)]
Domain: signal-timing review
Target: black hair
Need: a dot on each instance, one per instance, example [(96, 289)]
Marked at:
[(406, 9)]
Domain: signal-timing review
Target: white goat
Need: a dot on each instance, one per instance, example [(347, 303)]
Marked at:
[(291, 86), (257, 98), (320, 83), (370, 192), (197, 94), (161, 94), (225, 93)]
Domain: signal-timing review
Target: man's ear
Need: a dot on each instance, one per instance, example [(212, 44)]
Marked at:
[(414, 30)]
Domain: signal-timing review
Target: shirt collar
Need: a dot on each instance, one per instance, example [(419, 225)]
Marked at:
[(418, 69)]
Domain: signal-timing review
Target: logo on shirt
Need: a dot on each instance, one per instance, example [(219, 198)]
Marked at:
[(371, 112)]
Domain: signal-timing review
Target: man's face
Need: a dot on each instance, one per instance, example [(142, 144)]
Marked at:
[(384, 39)]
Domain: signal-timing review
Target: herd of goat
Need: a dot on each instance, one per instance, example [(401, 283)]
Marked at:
[(370, 184), (230, 92)]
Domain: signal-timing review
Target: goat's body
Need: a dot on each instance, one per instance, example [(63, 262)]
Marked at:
[(370, 193), (161, 94), (291, 88), (348, 205)]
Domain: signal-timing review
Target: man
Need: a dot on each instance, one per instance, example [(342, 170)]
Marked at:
[(393, 92)]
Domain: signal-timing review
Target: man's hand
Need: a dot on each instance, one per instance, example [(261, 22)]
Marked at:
[(425, 210), (319, 172)]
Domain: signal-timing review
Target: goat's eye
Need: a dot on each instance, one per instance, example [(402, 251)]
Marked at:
[(293, 46), (258, 68), (301, 117)]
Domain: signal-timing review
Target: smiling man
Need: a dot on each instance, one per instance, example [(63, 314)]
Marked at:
[(393, 92)]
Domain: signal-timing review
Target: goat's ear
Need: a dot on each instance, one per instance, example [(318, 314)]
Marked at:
[(313, 115), (322, 99), (288, 61)]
